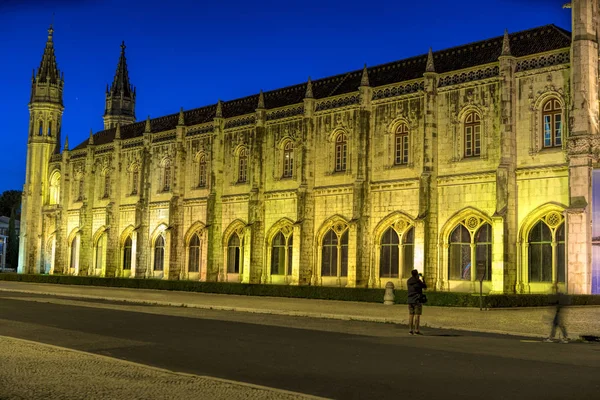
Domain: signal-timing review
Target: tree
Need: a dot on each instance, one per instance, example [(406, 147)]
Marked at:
[(10, 204)]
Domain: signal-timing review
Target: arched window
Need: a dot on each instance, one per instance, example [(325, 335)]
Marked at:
[(408, 249), (202, 171), (135, 180), (242, 166), (401, 145), (288, 160), (472, 135), (341, 149), (167, 176), (159, 253), (100, 251), (41, 131), (106, 185), (552, 118), (234, 254), (127, 254), (547, 253), (281, 254), (54, 197), (389, 262), (334, 254), (466, 249), (74, 261), (49, 128), (194, 254)]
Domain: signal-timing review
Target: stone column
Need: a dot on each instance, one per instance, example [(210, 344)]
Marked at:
[(214, 204), (305, 199)]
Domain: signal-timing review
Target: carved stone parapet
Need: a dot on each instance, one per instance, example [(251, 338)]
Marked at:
[(581, 144)]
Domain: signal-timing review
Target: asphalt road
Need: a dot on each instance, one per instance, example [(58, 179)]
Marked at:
[(334, 359)]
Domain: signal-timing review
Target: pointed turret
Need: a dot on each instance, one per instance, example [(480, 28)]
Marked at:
[(181, 119), (118, 131), (309, 89), (91, 139), (47, 84), (506, 44), (148, 128), (430, 66), (364, 80), (120, 97), (261, 100), (219, 111), (66, 143)]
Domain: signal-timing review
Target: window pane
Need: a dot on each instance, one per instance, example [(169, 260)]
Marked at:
[(290, 256), (233, 259), (557, 130), (344, 255), (278, 260), (560, 262), (547, 131), (329, 261), (388, 266), (483, 257), (459, 262), (127, 254), (408, 259)]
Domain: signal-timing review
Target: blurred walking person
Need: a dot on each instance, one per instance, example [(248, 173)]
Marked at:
[(558, 322)]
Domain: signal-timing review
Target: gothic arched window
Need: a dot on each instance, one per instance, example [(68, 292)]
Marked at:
[(341, 150), (100, 251), (334, 254), (546, 253), (408, 252), (127, 254), (389, 261), (288, 159), (167, 176), (159, 253), (234, 254), (552, 119), (194, 254), (401, 145), (242, 166), (466, 249), (472, 135), (202, 171), (281, 255), (41, 128), (54, 197)]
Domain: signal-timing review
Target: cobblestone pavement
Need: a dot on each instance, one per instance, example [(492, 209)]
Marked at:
[(34, 371)]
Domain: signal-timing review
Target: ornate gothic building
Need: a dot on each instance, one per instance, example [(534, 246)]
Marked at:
[(471, 163)]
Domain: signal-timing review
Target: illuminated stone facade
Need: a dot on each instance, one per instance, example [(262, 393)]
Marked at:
[(457, 157)]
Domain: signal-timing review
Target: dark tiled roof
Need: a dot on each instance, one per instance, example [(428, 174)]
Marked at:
[(524, 43)]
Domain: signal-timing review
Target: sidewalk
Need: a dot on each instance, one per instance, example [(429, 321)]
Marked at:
[(516, 321)]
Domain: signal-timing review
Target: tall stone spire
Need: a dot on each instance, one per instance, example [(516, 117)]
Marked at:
[(120, 97), (219, 112), (261, 100), (48, 82), (148, 127), (309, 89), (181, 118), (364, 80), (430, 66), (506, 44)]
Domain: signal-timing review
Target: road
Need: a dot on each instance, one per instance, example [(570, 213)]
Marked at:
[(328, 358)]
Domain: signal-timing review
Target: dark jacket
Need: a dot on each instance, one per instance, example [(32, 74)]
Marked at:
[(415, 289)]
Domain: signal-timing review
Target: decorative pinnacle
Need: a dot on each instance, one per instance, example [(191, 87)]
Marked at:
[(309, 90), (430, 66), (66, 142), (181, 120), (91, 139), (148, 127), (364, 81), (219, 112), (261, 100), (505, 44), (118, 131)]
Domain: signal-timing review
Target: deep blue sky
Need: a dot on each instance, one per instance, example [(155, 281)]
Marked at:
[(189, 53)]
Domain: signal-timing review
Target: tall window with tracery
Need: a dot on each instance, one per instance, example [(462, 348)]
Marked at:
[(281, 254), (127, 254), (194, 254), (547, 252), (288, 159), (80, 189), (334, 254), (552, 119), (234, 253), (135, 180), (467, 248), (401, 145), (167, 176), (202, 171), (242, 166), (472, 135), (159, 253), (106, 185), (341, 150)]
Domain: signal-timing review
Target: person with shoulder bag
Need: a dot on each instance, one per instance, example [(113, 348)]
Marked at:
[(416, 298)]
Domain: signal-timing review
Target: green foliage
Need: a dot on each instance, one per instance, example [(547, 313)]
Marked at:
[(12, 249), (444, 299), (10, 200)]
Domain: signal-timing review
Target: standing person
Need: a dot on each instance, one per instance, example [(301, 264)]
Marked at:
[(415, 307), (558, 321)]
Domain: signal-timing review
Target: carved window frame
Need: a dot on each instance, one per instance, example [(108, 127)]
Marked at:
[(242, 158), (54, 188), (458, 133), (134, 180), (340, 153), (536, 133), (202, 170), (166, 175)]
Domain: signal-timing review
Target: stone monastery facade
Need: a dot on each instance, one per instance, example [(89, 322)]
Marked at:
[(468, 163)]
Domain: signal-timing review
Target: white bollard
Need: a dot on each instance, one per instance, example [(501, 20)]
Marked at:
[(388, 298)]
